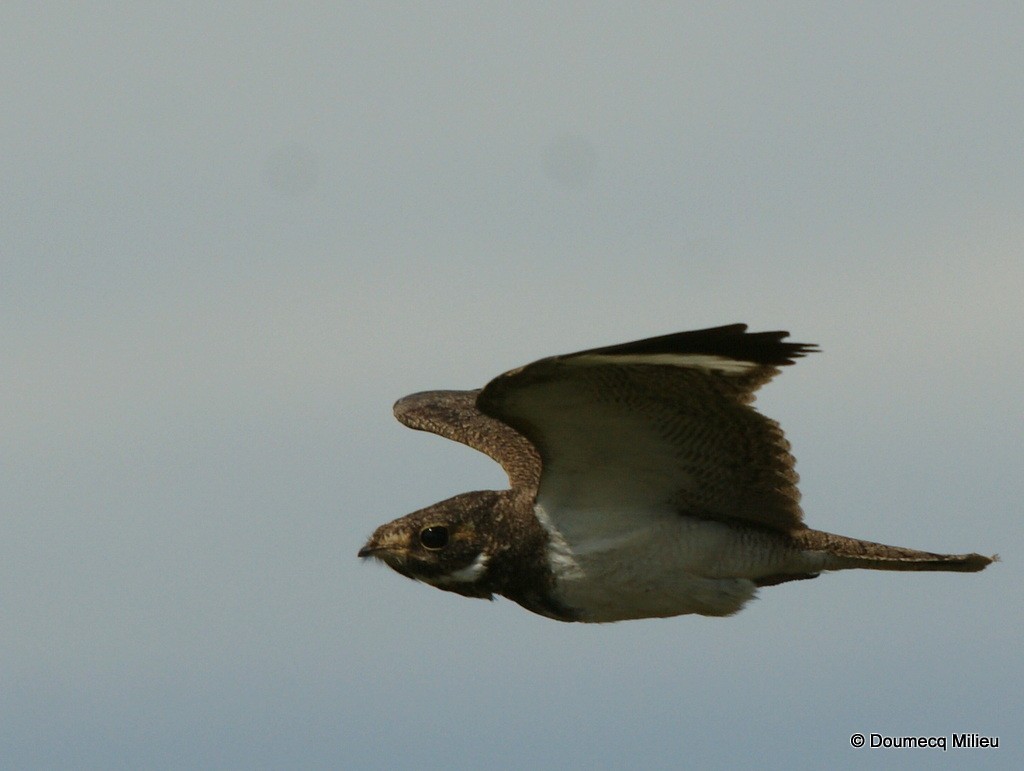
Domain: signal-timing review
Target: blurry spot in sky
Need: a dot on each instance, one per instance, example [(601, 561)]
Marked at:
[(570, 160), (292, 169)]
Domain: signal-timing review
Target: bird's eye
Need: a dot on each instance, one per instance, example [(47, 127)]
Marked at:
[(435, 537)]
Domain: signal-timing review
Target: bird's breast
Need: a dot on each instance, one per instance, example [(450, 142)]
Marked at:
[(612, 566)]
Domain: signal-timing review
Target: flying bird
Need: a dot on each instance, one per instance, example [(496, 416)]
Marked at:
[(642, 484)]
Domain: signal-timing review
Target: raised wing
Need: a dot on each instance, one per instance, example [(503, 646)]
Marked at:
[(454, 415), (657, 425)]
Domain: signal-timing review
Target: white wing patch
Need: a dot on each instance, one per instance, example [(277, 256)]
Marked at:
[(707, 362)]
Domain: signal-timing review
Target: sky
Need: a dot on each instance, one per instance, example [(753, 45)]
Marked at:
[(233, 234)]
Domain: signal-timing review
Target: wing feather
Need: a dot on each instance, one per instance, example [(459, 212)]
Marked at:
[(657, 424), (454, 415)]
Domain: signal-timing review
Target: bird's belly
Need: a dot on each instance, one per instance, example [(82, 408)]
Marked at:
[(669, 566)]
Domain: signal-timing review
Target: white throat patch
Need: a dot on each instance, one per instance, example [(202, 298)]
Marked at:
[(467, 575)]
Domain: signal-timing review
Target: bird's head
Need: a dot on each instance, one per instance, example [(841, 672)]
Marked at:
[(448, 545)]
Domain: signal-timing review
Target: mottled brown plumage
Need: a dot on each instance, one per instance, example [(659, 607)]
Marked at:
[(454, 415), (642, 484)]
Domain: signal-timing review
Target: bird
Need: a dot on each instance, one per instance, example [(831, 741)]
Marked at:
[(642, 484)]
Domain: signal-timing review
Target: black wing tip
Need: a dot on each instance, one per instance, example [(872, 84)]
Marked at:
[(732, 341)]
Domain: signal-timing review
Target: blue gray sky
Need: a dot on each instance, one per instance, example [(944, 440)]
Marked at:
[(233, 234)]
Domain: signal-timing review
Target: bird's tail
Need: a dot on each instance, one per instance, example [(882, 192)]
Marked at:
[(844, 553)]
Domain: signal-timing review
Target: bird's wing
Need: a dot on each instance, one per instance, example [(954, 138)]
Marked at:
[(454, 415), (663, 424)]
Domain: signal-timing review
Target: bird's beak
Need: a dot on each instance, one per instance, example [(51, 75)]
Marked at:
[(372, 546), (390, 547), (384, 543)]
